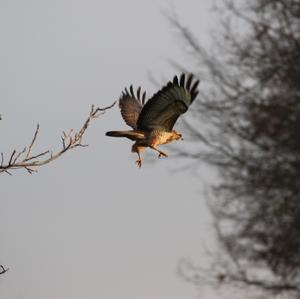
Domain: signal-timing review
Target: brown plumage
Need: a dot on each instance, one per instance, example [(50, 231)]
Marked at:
[(153, 122)]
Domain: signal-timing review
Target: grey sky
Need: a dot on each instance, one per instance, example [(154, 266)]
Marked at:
[(92, 225)]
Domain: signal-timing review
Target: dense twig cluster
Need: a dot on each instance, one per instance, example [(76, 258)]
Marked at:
[(25, 159), (247, 125)]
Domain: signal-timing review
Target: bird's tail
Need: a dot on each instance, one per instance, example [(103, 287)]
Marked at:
[(115, 134), (133, 135)]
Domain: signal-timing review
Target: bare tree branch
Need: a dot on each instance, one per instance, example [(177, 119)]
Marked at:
[(24, 159), (3, 270)]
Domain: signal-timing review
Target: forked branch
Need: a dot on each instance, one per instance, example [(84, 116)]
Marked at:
[(25, 159), (3, 270)]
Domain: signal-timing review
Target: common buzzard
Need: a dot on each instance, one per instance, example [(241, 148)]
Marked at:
[(152, 122)]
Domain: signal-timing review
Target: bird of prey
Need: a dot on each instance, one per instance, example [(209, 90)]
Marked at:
[(152, 122)]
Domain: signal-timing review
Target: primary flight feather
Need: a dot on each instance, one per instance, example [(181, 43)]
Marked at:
[(152, 122)]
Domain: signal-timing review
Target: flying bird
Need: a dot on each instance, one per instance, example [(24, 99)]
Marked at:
[(152, 122)]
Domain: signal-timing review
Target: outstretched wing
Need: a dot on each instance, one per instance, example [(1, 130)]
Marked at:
[(131, 106), (164, 108)]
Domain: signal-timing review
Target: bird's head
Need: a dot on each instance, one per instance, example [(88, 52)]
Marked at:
[(177, 135)]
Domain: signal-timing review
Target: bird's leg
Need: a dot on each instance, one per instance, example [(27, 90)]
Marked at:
[(161, 153), (138, 149), (139, 160)]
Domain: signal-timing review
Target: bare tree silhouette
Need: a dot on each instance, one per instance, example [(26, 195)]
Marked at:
[(246, 124)]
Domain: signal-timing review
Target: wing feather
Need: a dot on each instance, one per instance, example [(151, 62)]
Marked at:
[(163, 109), (131, 105)]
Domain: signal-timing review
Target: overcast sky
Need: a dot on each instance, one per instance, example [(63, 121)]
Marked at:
[(91, 224)]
